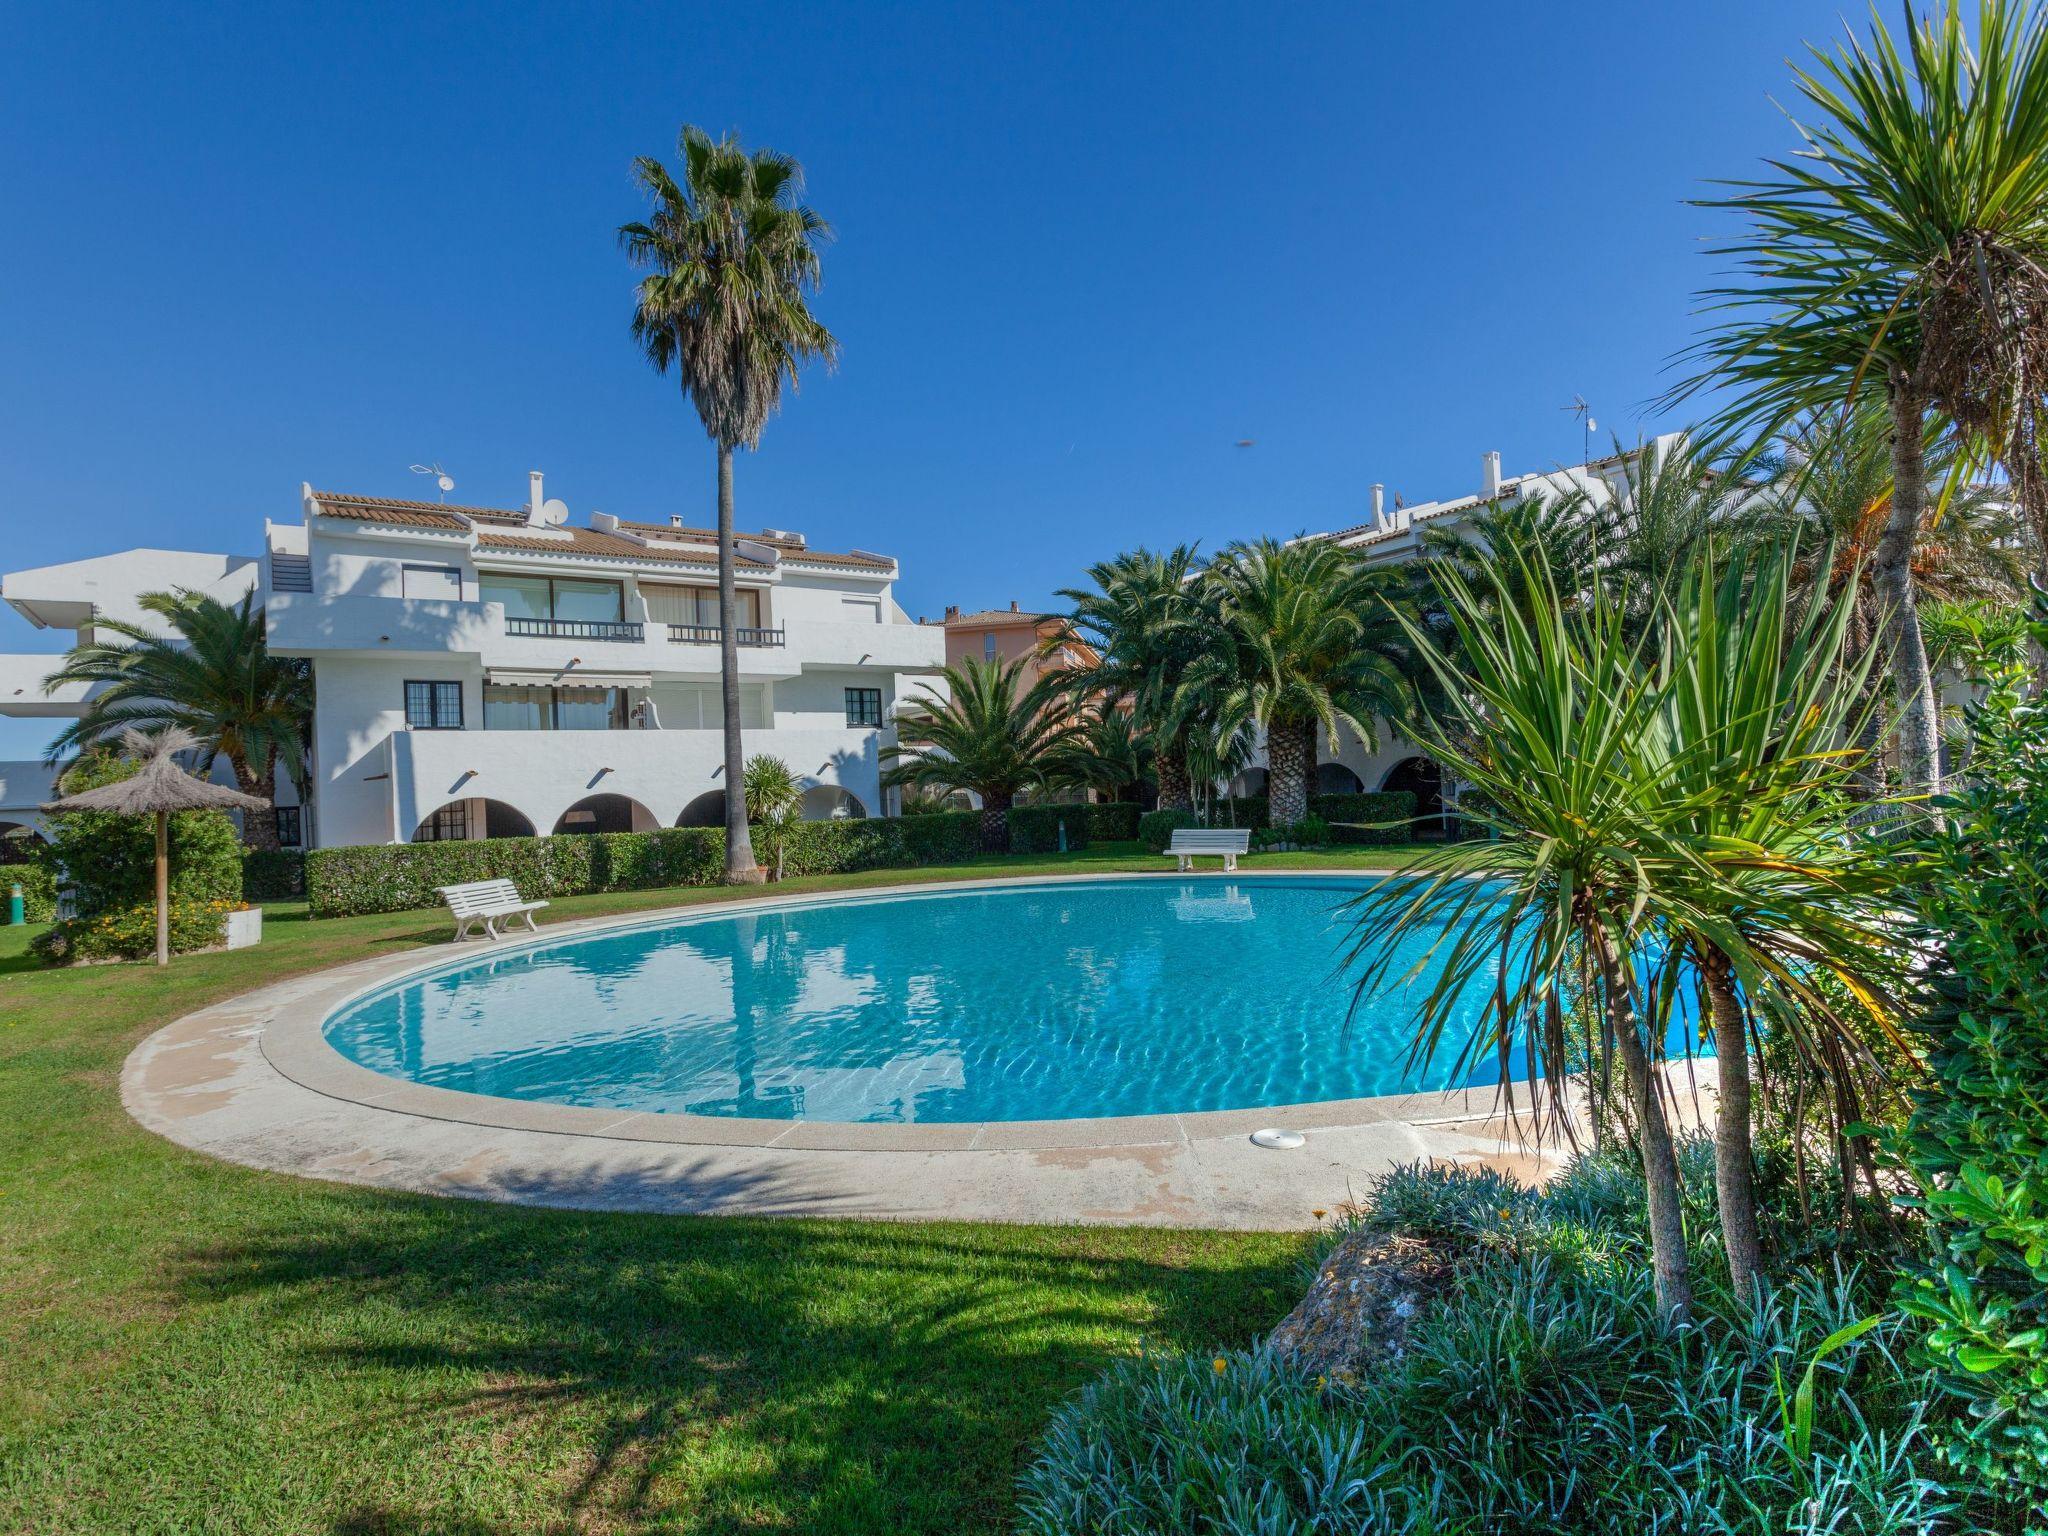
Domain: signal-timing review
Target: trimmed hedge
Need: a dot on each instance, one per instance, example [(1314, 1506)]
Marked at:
[(1116, 822), (1156, 828), (273, 874), (38, 884), (1036, 828), (1373, 805), (394, 877)]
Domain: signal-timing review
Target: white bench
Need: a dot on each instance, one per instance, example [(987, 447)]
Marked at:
[(1190, 843), (485, 901)]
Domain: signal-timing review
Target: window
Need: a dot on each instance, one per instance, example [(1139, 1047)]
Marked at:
[(988, 646), (433, 706), (524, 597), (554, 709), (441, 583), (560, 597), (864, 706), (450, 824), (286, 820), (860, 610), (699, 605)]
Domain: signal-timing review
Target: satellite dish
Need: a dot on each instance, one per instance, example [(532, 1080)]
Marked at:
[(554, 512), (446, 482)]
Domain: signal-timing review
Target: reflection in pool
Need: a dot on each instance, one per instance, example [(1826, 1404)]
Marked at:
[(1020, 1003)]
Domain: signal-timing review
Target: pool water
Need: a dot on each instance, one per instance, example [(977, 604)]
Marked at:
[(1033, 1002)]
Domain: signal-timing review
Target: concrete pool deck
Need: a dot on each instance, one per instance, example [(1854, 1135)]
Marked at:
[(252, 1080)]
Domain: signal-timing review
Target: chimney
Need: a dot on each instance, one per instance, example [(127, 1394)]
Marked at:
[(1379, 506), (1489, 475), (675, 519), (534, 498), (952, 612), (1013, 605)]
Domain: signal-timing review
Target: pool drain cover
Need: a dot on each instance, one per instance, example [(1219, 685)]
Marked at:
[(1279, 1140)]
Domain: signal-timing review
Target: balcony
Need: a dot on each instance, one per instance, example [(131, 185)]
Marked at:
[(574, 629), (709, 634)]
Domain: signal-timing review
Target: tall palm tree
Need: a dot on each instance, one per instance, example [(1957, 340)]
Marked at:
[(212, 676), (987, 733), (1921, 188), (1143, 615), (1310, 642), (731, 257), (1543, 705), (1108, 751)]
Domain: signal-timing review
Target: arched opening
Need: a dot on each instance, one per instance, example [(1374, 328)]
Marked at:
[(461, 820), (1336, 779), (1251, 782), (828, 802), (18, 842), (606, 813), (1424, 780), (707, 810)]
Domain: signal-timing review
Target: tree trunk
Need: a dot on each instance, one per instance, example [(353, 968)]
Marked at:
[(995, 822), (1171, 768), (1892, 572), (1734, 1159), (1290, 750), (740, 868), (163, 889), (1653, 1136), (259, 828)]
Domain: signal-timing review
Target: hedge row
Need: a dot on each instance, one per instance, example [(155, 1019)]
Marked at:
[(1254, 811), (393, 877), (1036, 828), (1116, 822), (273, 874), (38, 884)]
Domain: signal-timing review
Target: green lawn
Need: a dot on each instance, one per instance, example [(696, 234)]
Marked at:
[(191, 1346)]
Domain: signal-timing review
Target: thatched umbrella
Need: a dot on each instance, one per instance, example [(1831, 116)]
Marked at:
[(159, 789)]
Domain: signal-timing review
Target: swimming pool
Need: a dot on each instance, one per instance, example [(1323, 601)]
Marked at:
[(1037, 1001)]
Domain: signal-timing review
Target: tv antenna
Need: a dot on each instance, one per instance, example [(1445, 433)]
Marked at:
[(1587, 425), (443, 481)]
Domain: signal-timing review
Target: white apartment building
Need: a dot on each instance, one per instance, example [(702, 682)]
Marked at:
[(486, 671)]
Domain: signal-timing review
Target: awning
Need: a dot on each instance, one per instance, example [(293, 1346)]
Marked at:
[(564, 677)]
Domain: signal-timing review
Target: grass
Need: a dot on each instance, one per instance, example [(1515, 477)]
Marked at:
[(186, 1345)]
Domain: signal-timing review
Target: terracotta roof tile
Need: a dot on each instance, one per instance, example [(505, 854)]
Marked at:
[(407, 514), (589, 544), (989, 616)]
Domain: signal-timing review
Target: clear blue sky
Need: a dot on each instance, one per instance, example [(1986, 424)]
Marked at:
[(1082, 251)]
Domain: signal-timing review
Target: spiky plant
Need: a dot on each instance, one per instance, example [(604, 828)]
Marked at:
[(212, 675), (772, 796), (986, 733), (731, 257)]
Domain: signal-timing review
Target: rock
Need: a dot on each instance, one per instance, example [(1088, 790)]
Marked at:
[(1365, 1299)]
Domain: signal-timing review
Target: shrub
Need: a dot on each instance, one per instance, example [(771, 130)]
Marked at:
[(392, 877), (129, 933), (1369, 809), (1309, 832), (38, 882), (1978, 1136), (1540, 1392), (110, 859), (1116, 822), (273, 874), (1036, 828), (1156, 828)]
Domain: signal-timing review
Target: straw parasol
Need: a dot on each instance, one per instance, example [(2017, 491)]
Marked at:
[(159, 789)]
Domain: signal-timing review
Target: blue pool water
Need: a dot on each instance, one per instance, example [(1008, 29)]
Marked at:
[(1027, 1003)]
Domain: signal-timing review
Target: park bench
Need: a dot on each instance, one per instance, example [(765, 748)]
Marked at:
[(1190, 843), (486, 901)]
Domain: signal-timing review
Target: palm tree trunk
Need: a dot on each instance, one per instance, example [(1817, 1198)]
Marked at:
[(995, 821), (1892, 570), (1668, 1260), (740, 868), (1734, 1158), (1171, 767), (259, 829), (1290, 748)]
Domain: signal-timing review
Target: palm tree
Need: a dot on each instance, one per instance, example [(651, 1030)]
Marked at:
[(1744, 774), (212, 676), (1309, 642), (1899, 258), (772, 796), (730, 256), (1144, 618), (1670, 498), (1108, 751), (1543, 705), (987, 734)]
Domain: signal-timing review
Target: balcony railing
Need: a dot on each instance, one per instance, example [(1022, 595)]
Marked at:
[(573, 629), (708, 634)]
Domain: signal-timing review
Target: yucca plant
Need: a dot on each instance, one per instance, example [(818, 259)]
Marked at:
[(985, 733), (1545, 703), (772, 796), (1899, 257), (212, 675)]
